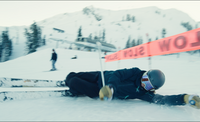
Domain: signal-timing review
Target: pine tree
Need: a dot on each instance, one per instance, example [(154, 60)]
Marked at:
[(0, 51), (36, 34), (5, 54), (29, 42), (10, 47), (128, 42), (39, 37), (133, 43), (149, 39), (103, 35), (139, 41), (163, 33), (33, 36), (133, 18), (0, 46), (128, 17), (187, 26), (6, 46), (156, 38), (44, 40), (79, 32)]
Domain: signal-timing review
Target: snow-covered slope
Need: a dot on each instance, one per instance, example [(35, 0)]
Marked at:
[(181, 77)]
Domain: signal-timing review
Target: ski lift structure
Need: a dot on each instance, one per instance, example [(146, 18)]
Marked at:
[(85, 42)]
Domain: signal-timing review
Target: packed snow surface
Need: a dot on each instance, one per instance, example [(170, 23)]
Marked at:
[(181, 73)]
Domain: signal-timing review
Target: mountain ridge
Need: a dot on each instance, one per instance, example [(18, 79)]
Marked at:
[(148, 20)]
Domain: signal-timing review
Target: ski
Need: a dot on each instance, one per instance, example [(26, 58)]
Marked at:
[(21, 88), (29, 94), (3, 89), (51, 70), (20, 82)]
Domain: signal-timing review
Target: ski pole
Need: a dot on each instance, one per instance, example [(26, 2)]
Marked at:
[(102, 75)]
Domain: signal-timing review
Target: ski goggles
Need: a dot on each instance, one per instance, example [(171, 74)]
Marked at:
[(146, 83)]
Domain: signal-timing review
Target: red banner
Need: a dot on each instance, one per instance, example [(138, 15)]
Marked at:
[(186, 41), (113, 57), (134, 52)]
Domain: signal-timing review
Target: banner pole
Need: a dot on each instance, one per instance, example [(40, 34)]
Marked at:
[(149, 57), (118, 60)]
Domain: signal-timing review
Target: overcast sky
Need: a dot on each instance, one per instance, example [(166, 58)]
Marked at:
[(17, 13)]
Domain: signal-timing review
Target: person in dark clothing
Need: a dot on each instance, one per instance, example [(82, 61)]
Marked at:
[(130, 83), (53, 59)]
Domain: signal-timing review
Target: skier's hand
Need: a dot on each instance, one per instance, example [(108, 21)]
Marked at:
[(106, 93), (192, 100)]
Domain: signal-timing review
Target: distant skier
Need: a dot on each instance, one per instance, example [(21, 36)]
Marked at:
[(124, 84), (53, 59)]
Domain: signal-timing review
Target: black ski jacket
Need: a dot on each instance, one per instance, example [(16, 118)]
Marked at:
[(127, 85), (54, 56)]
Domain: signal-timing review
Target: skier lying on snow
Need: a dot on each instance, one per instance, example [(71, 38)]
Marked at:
[(126, 84)]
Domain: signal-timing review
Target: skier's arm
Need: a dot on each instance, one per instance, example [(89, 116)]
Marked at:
[(171, 100), (164, 99)]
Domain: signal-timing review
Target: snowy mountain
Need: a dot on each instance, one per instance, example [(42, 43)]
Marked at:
[(118, 25), (180, 71), (149, 20)]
